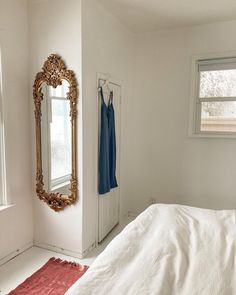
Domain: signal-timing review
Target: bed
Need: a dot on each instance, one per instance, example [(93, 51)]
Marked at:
[(167, 250)]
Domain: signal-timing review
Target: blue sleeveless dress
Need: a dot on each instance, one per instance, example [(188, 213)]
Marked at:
[(107, 154)]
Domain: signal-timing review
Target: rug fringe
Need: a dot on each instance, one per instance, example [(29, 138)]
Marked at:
[(65, 262)]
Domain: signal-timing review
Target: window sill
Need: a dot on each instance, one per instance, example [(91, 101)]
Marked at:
[(5, 207), (212, 135)]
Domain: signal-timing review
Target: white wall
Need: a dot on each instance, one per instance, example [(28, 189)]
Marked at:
[(107, 48), (162, 162), (55, 27), (17, 221), (158, 159)]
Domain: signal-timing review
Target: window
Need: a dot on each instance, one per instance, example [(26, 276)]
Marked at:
[(215, 96), (3, 200)]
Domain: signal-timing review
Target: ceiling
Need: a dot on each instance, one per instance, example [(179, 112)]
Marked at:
[(150, 15)]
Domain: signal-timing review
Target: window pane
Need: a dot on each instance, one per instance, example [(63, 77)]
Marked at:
[(218, 116), (218, 83), (60, 139)]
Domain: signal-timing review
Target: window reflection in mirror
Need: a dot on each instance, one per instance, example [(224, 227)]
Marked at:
[(56, 138)]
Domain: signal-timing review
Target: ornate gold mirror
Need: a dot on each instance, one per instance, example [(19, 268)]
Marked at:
[(55, 97)]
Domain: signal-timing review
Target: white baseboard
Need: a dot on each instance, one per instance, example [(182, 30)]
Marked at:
[(64, 251), (132, 214), (58, 249), (89, 249), (15, 253)]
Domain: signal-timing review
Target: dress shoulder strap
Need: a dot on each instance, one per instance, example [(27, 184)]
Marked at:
[(111, 97), (102, 96)]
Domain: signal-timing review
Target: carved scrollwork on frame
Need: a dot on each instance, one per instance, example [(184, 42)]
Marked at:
[(53, 73)]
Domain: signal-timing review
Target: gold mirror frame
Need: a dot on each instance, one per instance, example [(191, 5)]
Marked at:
[(54, 71)]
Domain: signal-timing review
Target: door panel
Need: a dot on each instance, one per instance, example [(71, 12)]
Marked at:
[(108, 204)]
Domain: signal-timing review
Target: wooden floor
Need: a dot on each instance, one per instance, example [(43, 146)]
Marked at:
[(21, 267)]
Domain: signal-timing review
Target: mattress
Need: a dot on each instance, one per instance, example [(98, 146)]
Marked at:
[(167, 250)]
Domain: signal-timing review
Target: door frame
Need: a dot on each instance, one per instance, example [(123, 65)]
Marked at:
[(119, 83)]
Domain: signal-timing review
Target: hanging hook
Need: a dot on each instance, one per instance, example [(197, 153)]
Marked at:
[(106, 81)]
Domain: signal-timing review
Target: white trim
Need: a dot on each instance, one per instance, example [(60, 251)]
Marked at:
[(15, 253), (214, 55), (132, 214), (4, 207), (3, 183), (203, 134), (89, 249), (10, 256), (59, 182), (213, 99), (194, 113), (217, 64), (192, 104), (64, 251)]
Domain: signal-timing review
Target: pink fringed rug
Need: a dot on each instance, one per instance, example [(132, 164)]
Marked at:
[(54, 278)]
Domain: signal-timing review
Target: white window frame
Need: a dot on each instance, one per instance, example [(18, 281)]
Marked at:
[(195, 114), (3, 186)]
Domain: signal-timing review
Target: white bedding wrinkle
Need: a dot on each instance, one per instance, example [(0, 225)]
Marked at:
[(167, 250)]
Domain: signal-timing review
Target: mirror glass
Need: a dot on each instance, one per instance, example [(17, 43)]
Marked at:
[(56, 138)]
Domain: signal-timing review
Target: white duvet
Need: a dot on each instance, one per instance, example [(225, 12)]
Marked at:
[(167, 250)]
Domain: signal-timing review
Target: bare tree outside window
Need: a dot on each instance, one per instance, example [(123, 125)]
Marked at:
[(217, 90), (218, 84)]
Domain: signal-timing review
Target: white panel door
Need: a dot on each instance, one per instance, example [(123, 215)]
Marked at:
[(108, 204)]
